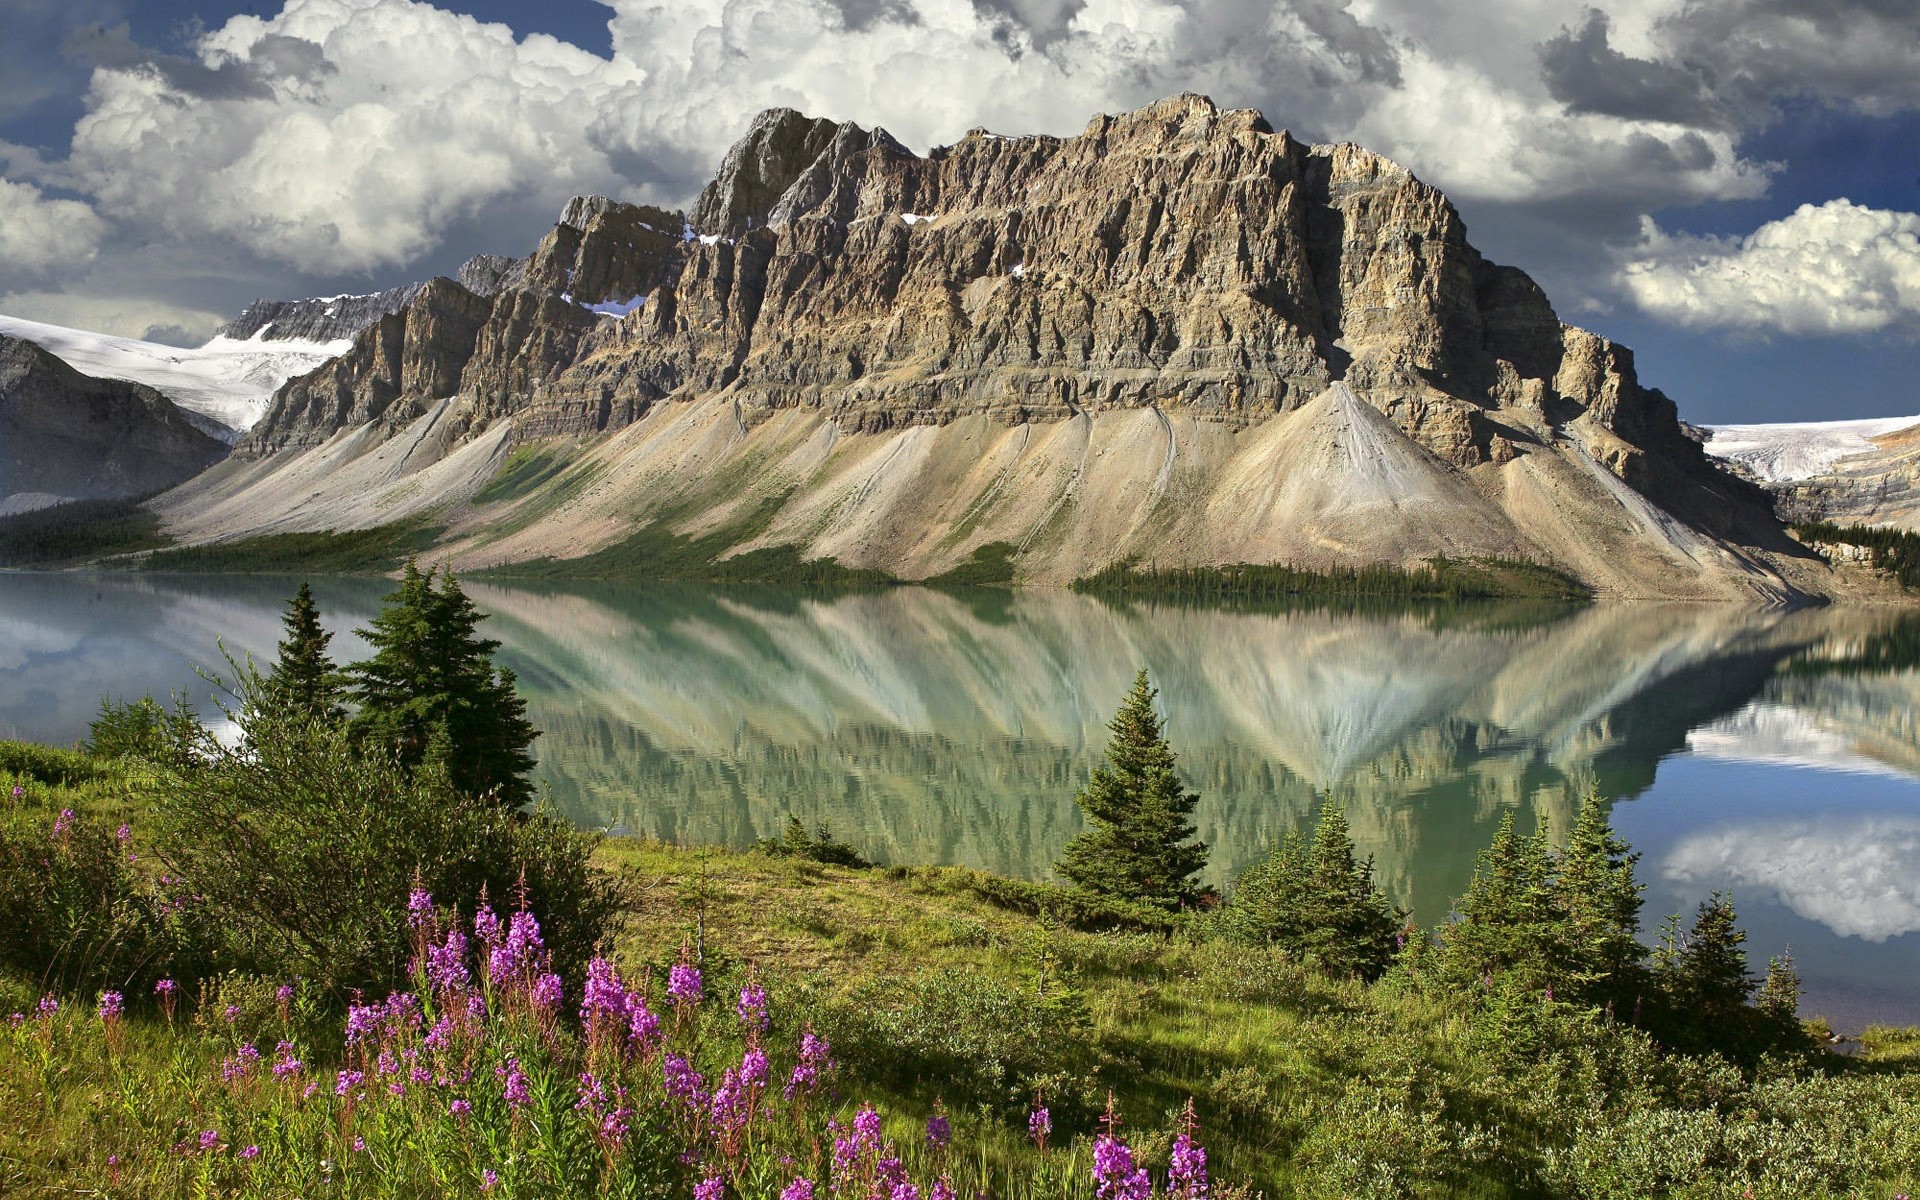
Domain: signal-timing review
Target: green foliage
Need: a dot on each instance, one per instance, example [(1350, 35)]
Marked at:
[(79, 916), (1702, 979), (300, 848), (990, 565), (1317, 903), (524, 472), (1895, 551), (26, 760), (1137, 847), (304, 680), (1441, 579), (817, 845), (373, 551), (1072, 907), (431, 691), (1601, 958), (78, 532), (1509, 919), (145, 729)]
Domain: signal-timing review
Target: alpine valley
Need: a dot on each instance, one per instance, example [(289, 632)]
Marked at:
[(1180, 338)]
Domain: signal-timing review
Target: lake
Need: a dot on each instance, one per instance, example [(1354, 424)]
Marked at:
[(1772, 754)]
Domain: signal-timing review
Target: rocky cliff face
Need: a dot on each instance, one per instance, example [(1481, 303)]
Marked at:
[(831, 293), (68, 436), (334, 318)]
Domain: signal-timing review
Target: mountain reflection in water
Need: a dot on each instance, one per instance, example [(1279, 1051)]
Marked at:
[(932, 727)]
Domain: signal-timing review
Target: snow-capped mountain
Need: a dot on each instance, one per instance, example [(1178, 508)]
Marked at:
[(224, 385)]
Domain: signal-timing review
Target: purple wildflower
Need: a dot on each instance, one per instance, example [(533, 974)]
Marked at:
[(643, 1027), (799, 1189), (363, 1021), (460, 1108), (419, 907), (1039, 1125), (62, 823), (683, 1083), (1187, 1170), (124, 834), (939, 1131), (447, 963), (683, 984), (250, 1153), (110, 1006), (942, 1189), (346, 1081), (904, 1190), (486, 926), (47, 1007), (866, 1124), (548, 991), (359, 1143), (514, 1090), (285, 1063), (240, 1064), (753, 1008), (710, 1189), (815, 1057), (209, 1140), (488, 1180), (232, 1013), (1115, 1176), (604, 1003)]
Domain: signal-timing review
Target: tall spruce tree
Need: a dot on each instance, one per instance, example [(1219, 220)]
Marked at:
[(1507, 919), (431, 690), (304, 682), (1318, 902), (1137, 846), (1600, 955)]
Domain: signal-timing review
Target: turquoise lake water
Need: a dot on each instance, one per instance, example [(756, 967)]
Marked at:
[(1776, 755)]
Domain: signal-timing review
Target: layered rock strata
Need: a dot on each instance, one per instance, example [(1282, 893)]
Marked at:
[(831, 293)]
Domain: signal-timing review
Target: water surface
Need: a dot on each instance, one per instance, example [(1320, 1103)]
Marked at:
[(1773, 754)]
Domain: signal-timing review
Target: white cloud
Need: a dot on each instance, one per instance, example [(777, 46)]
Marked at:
[(119, 315), (41, 239), (1837, 268), (1855, 876)]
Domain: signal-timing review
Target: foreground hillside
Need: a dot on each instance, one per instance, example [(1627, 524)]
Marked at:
[(934, 992), (1180, 337)]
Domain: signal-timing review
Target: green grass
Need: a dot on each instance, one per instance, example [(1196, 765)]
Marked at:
[(947, 984), (525, 470), (69, 535), (374, 551)]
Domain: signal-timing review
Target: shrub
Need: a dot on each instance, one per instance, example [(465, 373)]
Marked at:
[(301, 849), (45, 764), (146, 729), (819, 846)]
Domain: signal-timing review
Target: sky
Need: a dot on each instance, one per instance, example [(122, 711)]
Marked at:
[(1729, 187)]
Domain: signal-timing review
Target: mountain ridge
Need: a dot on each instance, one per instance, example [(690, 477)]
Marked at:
[(1084, 347)]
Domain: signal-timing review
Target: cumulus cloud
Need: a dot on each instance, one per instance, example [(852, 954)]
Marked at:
[(41, 238), (1833, 268), (1854, 876)]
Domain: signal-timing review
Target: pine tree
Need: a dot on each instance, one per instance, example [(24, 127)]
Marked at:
[(1507, 920), (1137, 847), (431, 689), (1777, 1005), (1712, 983), (1319, 903), (1600, 953), (304, 682)]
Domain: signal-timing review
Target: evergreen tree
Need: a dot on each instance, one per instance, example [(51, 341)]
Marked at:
[(1319, 903), (1777, 1005), (1709, 981), (1600, 952), (304, 680), (1507, 921), (431, 691), (1137, 847)]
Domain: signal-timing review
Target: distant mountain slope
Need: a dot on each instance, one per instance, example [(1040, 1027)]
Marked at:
[(1180, 336), (224, 385), (334, 318), (1851, 472), (68, 436)]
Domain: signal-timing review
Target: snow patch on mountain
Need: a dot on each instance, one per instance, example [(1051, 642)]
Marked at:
[(1798, 450), (224, 386)]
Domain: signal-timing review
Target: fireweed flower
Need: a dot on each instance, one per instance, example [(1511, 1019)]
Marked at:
[(62, 823), (1187, 1170), (939, 1130), (486, 925), (419, 907), (683, 983), (753, 1008), (363, 1021), (799, 1189), (683, 1083), (904, 1190), (447, 963), (488, 1180), (815, 1058), (209, 1140), (232, 1013), (643, 1026), (47, 1007), (942, 1189), (1114, 1175), (250, 1153), (124, 834), (460, 1109), (285, 1063), (604, 1003), (110, 1006), (514, 1089), (548, 991), (709, 1189), (345, 1081), (1039, 1125)]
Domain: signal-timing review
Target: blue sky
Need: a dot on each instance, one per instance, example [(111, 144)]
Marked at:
[(1728, 187)]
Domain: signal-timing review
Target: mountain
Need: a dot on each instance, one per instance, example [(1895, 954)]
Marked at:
[(1180, 336), (223, 386), (68, 436), (335, 318), (1851, 472)]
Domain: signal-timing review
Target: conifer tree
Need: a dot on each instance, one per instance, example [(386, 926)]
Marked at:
[(304, 682), (1710, 981), (1507, 919), (1777, 1004), (1137, 845), (1599, 902), (431, 690), (1320, 903)]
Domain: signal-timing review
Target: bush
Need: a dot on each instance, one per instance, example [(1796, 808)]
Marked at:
[(1072, 907), (145, 729), (79, 918), (45, 764), (817, 846), (301, 850)]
